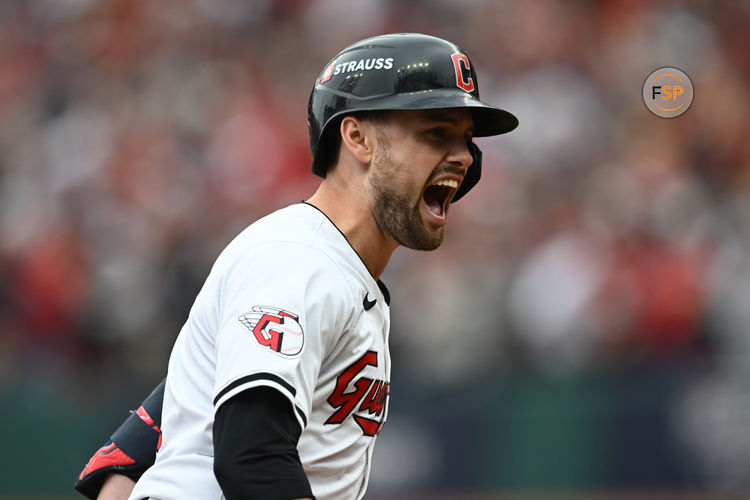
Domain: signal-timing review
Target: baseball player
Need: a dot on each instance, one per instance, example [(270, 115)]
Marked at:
[(278, 382)]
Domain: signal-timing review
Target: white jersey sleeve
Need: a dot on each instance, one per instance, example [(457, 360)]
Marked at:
[(281, 309)]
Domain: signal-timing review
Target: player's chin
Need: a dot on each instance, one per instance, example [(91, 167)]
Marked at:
[(433, 232), (425, 243), (435, 240)]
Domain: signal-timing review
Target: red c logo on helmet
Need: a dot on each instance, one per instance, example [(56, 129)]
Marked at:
[(465, 84)]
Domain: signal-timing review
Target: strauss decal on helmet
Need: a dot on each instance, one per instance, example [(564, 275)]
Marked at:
[(352, 66)]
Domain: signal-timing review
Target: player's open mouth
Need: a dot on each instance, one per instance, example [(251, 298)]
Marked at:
[(437, 196)]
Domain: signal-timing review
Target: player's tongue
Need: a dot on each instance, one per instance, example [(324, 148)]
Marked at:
[(434, 197)]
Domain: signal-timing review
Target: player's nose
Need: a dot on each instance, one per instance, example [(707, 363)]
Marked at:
[(459, 154)]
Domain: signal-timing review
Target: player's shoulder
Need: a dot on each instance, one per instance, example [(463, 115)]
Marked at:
[(296, 223), (294, 226), (298, 240)]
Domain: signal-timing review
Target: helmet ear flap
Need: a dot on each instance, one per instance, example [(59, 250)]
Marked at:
[(473, 173)]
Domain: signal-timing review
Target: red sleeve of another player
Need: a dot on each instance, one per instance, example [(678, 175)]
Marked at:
[(130, 451)]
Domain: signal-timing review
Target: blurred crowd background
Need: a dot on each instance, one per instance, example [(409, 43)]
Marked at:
[(584, 328)]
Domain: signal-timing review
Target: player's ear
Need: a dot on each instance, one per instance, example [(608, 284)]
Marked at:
[(358, 138)]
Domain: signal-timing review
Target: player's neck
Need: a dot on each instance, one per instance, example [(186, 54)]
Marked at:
[(349, 210)]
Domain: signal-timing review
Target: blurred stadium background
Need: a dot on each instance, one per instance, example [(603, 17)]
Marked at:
[(584, 329)]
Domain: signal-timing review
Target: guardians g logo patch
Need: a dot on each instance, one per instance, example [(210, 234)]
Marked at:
[(275, 329)]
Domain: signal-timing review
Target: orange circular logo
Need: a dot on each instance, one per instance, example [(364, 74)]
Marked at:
[(668, 92)]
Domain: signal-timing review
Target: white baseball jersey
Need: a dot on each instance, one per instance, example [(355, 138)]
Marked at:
[(289, 305)]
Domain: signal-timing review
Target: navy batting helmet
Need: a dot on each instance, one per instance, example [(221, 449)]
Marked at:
[(399, 71)]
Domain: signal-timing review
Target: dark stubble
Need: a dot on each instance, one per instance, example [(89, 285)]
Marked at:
[(397, 213)]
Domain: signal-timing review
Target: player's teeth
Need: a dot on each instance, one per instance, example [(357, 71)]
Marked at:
[(447, 182)]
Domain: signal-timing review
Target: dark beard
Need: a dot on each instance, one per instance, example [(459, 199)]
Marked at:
[(398, 214)]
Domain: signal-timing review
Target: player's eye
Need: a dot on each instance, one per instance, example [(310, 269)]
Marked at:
[(437, 132)]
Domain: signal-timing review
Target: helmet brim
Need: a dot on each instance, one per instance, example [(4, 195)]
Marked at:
[(488, 120)]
